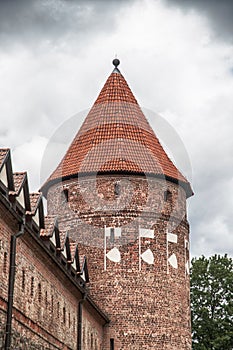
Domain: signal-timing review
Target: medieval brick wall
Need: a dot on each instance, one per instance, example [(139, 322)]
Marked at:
[(92, 331), (146, 296), (45, 314), (5, 232), (47, 296)]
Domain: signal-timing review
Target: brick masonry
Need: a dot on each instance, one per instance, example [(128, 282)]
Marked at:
[(45, 309), (148, 304)]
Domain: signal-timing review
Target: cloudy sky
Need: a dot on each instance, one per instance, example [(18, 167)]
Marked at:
[(177, 57)]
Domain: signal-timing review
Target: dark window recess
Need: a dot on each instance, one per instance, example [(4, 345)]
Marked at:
[(52, 304), (32, 286), (64, 315), (23, 280), (66, 194), (117, 189), (167, 196), (112, 235), (5, 263), (39, 293), (111, 344), (46, 298)]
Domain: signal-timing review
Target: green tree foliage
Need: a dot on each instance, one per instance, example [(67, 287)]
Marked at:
[(211, 303)]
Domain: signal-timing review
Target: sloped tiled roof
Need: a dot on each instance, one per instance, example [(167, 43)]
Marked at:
[(3, 154), (19, 178), (34, 200), (50, 223), (116, 137)]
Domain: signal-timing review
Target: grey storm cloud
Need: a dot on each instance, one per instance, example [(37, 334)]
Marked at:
[(28, 21), (219, 13)]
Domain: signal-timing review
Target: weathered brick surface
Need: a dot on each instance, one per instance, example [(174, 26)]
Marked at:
[(45, 302), (148, 308), (92, 332), (5, 233)]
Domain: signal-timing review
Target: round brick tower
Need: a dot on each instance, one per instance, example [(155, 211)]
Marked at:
[(122, 199)]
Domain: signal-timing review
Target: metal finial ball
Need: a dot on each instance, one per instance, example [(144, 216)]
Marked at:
[(116, 62)]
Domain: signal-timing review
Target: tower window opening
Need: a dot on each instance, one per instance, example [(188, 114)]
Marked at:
[(23, 280), (52, 304), (66, 194), (46, 298), (64, 315), (112, 235), (167, 196), (111, 344), (117, 189)]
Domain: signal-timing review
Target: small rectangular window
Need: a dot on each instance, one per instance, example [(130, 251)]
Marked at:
[(5, 263), (111, 344), (39, 293), (117, 189), (52, 304), (64, 315), (23, 280), (32, 286), (66, 194), (167, 196), (46, 298)]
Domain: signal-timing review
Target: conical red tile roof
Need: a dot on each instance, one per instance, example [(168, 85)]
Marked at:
[(116, 138)]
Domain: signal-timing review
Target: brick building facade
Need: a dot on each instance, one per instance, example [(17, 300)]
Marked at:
[(117, 204), (50, 276)]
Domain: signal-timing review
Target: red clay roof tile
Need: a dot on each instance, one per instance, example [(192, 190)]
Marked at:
[(3, 154), (19, 178), (116, 137), (34, 200), (49, 226)]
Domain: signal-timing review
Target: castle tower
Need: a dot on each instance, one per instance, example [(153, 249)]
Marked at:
[(123, 200)]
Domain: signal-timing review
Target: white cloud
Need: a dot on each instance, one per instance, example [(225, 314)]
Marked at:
[(28, 156)]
